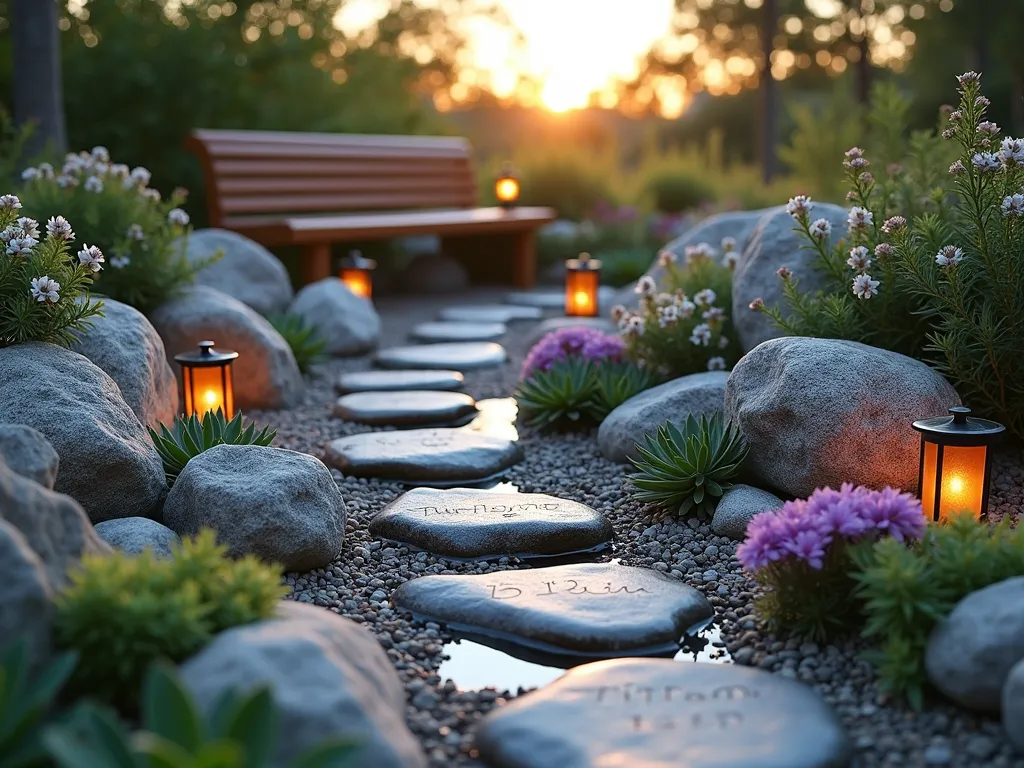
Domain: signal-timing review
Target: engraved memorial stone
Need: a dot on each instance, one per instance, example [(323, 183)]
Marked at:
[(464, 356), (469, 523), (413, 408), (434, 457), (490, 313), (389, 381), (588, 611), (659, 713), (446, 331)]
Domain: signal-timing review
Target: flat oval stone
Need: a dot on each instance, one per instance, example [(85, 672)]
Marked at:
[(387, 381), (410, 408), (490, 313), (434, 457), (659, 713), (460, 356), (593, 610), (554, 299), (462, 522), (447, 331)]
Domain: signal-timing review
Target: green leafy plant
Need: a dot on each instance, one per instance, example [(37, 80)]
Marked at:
[(687, 470), (143, 237), (241, 732), (560, 396), (906, 591), (44, 292), (614, 384), (674, 191), (26, 697), (306, 343), (192, 435), (122, 612)]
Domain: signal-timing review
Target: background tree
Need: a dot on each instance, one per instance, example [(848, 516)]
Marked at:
[(37, 92)]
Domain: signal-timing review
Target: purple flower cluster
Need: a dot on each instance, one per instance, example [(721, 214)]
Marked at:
[(572, 342), (805, 529)]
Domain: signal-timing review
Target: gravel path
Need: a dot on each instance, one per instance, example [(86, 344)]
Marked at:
[(570, 466)]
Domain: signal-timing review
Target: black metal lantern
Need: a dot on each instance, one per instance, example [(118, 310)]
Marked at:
[(206, 381), (956, 461), (582, 283), (357, 274)]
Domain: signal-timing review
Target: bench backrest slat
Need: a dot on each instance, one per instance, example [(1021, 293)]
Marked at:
[(265, 172)]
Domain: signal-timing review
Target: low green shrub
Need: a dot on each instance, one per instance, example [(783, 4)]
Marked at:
[(306, 343), (122, 613), (190, 436), (685, 470), (676, 192), (906, 591)]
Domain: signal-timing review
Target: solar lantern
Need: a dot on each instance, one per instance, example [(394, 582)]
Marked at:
[(582, 281), (506, 187), (206, 380), (357, 274)]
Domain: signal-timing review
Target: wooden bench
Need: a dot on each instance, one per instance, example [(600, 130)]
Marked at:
[(316, 189)]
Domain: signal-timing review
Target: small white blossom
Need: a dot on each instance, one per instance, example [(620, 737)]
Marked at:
[(957, 168), (119, 262), (714, 314), (101, 169), (668, 316), (985, 161), (21, 246), (988, 128), (883, 251), (686, 308), (949, 256), (723, 342), (45, 290), (646, 286), (860, 259), (701, 335), (46, 170), (60, 228), (705, 298), (100, 154), (1013, 205), (864, 287), (153, 195), (120, 170), (967, 78), (799, 206), (135, 232), (30, 174), (731, 259), (728, 244), (699, 251), (9, 233), (93, 184), (716, 364), (893, 225), (10, 201), (666, 259), (91, 258), (664, 299), (820, 229), (635, 326), (618, 311), (65, 181), (1011, 152), (29, 226), (177, 217), (859, 219), (140, 176)]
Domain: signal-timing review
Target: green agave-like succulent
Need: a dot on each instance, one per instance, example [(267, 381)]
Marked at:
[(688, 469), (560, 396), (307, 344), (191, 436), (615, 383)]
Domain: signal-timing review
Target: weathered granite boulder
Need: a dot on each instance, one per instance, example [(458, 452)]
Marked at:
[(132, 535), (434, 273), (26, 598), (775, 244), (328, 676), (107, 462), (282, 506), (127, 347), (672, 401), (29, 454), (1013, 705), (349, 323), (245, 271), (822, 412), (738, 507), (971, 652), (265, 374)]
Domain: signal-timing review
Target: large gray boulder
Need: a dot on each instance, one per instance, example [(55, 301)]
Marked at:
[(282, 506), (133, 535), (348, 323), (624, 427), (265, 374), (1013, 705), (774, 244), (245, 270), (434, 273), (26, 598), (739, 505), (822, 412), (107, 462), (127, 347), (29, 454), (971, 652), (328, 676)]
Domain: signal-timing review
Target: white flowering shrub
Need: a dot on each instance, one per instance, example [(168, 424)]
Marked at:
[(43, 282), (682, 325), (943, 282), (143, 236)]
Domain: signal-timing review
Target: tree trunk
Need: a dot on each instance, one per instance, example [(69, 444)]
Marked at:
[(1017, 103), (38, 93), (864, 70), (769, 91)]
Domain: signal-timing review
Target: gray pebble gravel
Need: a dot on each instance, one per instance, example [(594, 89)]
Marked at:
[(359, 583)]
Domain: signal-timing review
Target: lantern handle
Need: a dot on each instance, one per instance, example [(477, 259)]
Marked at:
[(959, 414), (206, 348)]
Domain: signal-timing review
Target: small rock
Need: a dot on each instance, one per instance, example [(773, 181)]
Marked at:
[(27, 453), (738, 507), (132, 535)]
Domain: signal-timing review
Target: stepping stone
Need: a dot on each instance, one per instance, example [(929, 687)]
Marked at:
[(435, 457), (389, 381), (410, 408), (660, 713), (553, 324), (464, 356), (589, 611), (469, 523), (555, 299), (445, 331), (490, 313)]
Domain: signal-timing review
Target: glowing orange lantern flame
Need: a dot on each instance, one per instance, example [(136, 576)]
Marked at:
[(356, 274), (506, 187), (582, 281)]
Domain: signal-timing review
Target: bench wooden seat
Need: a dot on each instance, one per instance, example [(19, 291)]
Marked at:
[(316, 189)]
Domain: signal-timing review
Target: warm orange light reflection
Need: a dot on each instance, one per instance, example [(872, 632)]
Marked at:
[(359, 281), (208, 388), (581, 292), (506, 189), (962, 486)]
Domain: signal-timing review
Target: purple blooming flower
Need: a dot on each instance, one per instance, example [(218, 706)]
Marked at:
[(809, 545), (587, 343)]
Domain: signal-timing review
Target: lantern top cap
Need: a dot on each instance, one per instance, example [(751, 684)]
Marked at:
[(959, 426), (206, 355), (508, 171), (356, 260), (582, 263)]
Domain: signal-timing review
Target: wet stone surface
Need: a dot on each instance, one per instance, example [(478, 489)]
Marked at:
[(465, 523), (464, 356), (664, 714), (413, 408), (489, 313), (443, 331), (588, 611), (387, 381)]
